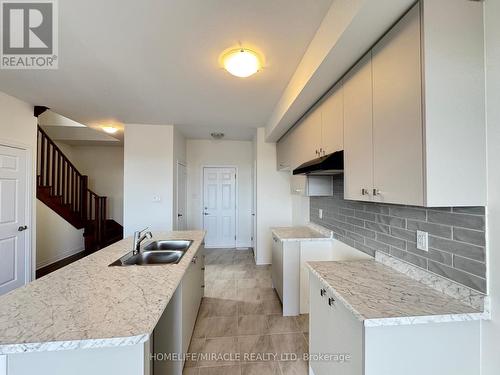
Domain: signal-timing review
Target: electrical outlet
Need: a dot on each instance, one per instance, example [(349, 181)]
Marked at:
[(422, 240), (320, 213)]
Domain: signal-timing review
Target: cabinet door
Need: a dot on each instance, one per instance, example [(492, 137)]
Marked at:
[(358, 131), (319, 326), (397, 114), (283, 153), (332, 122), (277, 266), (306, 139), (191, 298), (333, 330)]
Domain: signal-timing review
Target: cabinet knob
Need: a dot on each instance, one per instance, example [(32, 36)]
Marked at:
[(331, 301), (322, 292), (194, 260)]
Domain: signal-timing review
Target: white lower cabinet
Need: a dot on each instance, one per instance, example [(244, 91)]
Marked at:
[(289, 275), (173, 332), (451, 348), (333, 331)]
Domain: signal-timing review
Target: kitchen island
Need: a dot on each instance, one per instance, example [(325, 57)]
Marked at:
[(88, 311)]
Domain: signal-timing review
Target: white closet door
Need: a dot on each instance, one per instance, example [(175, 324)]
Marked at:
[(13, 228)]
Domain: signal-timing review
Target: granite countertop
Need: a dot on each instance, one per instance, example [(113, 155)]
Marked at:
[(301, 233), (88, 304), (379, 295)]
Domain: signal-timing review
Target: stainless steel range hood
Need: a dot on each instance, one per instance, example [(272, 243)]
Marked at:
[(324, 166)]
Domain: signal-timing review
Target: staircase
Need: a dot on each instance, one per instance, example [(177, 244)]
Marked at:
[(65, 190)]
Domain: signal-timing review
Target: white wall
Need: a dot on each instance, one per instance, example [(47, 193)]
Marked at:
[(148, 173), (274, 205), (179, 156), (209, 152), (18, 127), (56, 238), (104, 167), (490, 332)]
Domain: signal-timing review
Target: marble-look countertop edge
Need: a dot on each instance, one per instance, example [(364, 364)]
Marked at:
[(276, 232), (52, 346), (403, 320)]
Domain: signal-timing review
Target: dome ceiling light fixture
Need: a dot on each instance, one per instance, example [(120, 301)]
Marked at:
[(110, 129), (241, 62)]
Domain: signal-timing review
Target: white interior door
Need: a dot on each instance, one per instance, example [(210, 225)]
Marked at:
[(181, 196), (13, 243), (219, 206)]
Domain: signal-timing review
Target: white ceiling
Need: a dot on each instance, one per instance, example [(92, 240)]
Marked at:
[(156, 62)]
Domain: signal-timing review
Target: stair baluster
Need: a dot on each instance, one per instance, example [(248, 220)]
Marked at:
[(65, 190)]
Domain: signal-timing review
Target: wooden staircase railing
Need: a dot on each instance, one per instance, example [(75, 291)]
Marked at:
[(63, 188)]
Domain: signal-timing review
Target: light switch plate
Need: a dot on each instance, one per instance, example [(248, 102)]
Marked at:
[(422, 240), (320, 213)]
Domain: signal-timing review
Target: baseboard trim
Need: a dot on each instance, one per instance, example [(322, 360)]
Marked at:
[(61, 256), (60, 264)]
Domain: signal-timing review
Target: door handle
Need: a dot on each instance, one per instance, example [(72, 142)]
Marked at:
[(179, 215), (23, 228), (206, 213)]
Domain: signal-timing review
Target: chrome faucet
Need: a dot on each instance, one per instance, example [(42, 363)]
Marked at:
[(139, 237)]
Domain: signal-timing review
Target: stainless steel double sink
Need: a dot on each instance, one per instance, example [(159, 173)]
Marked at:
[(156, 253)]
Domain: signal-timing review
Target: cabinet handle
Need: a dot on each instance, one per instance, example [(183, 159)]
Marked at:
[(331, 301), (194, 260), (203, 268), (322, 292), (364, 192), (376, 192)]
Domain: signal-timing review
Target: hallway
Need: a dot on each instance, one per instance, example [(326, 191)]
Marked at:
[(240, 329)]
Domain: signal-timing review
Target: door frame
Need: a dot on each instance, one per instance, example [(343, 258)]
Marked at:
[(236, 205), (177, 194), (30, 250)]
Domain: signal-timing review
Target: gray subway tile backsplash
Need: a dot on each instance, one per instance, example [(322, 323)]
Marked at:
[(456, 234)]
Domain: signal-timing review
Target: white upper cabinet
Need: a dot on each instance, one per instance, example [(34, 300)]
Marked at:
[(320, 133), (332, 122), (426, 111), (397, 114), (358, 131), (410, 114)]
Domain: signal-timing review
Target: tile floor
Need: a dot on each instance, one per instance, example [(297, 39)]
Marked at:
[(240, 329)]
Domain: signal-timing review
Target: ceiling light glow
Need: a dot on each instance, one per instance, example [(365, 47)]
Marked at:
[(110, 129), (241, 62)]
